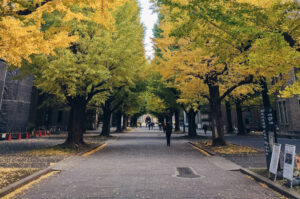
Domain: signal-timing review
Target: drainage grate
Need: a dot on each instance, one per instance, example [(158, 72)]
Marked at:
[(186, 172)]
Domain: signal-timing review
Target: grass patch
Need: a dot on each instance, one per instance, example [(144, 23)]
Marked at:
[(229, 149), (11, 175), (264, 172)]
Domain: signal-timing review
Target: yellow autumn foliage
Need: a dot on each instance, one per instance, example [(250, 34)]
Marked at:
[(229, 149), (21, 22)]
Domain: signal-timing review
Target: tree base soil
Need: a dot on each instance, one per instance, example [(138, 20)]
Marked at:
[(228, 149)]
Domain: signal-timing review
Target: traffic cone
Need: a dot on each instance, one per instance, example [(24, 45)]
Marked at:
[(9, 137), (27, 135), (45, 132), (50, 132), (40, 133), (20, 136)]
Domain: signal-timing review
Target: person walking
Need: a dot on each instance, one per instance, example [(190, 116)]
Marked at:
[(168, 133)]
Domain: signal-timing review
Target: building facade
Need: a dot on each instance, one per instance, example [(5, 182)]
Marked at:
[(15, 96)]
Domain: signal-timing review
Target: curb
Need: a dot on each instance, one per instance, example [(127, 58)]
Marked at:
[(91, 149), (204, 149), (282, 190), (12, 187)]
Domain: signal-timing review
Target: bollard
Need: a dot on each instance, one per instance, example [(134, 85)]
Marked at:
[(40, 133), (20, 136), (9, 137)]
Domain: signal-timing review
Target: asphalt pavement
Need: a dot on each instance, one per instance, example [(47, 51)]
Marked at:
[(140, 165)]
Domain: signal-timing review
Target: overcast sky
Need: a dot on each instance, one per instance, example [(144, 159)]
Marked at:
[(148, 19)]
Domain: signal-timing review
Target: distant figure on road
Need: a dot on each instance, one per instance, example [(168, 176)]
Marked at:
[(159, 125), (205, 128), (148, 122), (152, 125), (168, 133)]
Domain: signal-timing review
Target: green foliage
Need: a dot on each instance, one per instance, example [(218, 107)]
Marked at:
[(102, 59)]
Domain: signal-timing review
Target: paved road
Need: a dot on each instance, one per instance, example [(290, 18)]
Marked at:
[(140, 165), (258, 142)]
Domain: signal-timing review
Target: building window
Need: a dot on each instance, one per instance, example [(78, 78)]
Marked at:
[(282, 112)]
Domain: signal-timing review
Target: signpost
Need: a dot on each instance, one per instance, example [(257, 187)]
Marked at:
[(275, 159), (268, 131), (288, 166)]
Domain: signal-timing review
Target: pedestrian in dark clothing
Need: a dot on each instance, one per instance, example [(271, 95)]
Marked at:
[(168, 133), (159, 124), (149, 125)]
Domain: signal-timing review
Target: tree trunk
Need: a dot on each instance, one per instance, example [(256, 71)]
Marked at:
[(267, 104), (106, 121), (216, 116), (192, 124), (229, 118), (239, 115), (269, 124), (133, 121), (77, 122), (119, 121), (177, 122), (161, 119), (125, 121), (169, 118)]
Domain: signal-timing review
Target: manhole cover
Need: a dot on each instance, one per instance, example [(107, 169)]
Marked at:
[(186, 172)]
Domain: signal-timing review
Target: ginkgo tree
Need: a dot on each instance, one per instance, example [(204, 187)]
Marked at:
[(227, 44), (20, 29), (21, 21), (100, 60)]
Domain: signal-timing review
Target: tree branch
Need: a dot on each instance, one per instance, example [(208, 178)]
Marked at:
[(29, 11), (247, 80)]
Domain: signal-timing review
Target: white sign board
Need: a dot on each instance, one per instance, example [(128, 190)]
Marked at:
[(275, 158), (288, 166)]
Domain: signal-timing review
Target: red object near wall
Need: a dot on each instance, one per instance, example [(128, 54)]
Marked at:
[(9, 137), (20, 136), (40, 133), (45, 132), (27, 135)]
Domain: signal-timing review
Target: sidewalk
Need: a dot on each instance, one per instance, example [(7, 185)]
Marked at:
[(257, 160)]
